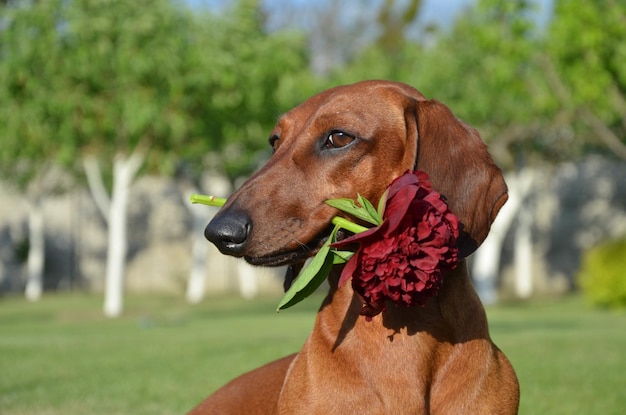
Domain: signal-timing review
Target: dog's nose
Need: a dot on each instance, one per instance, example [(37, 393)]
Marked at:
[(229, 232)]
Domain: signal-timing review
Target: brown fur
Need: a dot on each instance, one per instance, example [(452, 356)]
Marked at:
[(436, 359)]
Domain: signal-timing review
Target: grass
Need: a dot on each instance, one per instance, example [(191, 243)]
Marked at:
[(569, 359), (60, 356)]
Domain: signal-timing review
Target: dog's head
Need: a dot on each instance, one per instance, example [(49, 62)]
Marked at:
[(350, 140)]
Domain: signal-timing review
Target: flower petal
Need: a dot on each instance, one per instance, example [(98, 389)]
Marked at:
[(403, 259)]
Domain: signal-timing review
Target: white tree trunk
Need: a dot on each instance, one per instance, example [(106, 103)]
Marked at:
[(124, 171), (523, 256), (486, 261), (248, 280), (196, 286), (199, 253), (96, 186), (36, 252), (485, 266)]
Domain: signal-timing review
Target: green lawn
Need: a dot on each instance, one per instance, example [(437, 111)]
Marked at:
[(60, 356)]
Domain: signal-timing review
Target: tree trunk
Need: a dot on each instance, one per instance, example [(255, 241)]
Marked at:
[(248, 280), (486, 261), (199, 253), (124, 171), (96, 186), (218, 186), (523, 255), (36, 251)]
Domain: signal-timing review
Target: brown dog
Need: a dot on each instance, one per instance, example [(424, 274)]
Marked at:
[(435, 359)]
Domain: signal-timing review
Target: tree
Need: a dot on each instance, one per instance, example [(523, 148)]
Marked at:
[(31, 114), (125, 60), (240, 79), (584, 62), (165, 87), (91, 78), (144, 84)]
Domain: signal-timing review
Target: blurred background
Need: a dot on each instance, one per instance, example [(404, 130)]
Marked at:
[(112, 112)]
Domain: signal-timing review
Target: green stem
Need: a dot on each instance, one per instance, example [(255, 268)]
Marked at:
[(219, 202), (347, 225), (207, 200)]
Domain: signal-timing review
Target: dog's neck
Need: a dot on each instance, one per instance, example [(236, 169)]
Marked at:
[(410, 348), (455, 313)]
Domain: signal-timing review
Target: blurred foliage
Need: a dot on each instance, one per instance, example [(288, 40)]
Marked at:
[(585, 64), (109, 77), (602, 276), (588, 44), (241, 79), (204, 86)]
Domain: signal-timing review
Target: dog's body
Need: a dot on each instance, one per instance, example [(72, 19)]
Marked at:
[(435, 359)]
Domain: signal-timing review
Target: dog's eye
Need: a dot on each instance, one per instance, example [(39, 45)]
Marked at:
[(338, 139)]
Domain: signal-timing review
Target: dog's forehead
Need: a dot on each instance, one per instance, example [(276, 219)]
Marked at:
[(362, 102), (373, 96)]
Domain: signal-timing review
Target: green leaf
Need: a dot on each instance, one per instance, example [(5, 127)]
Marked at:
[(370, 210), (348, 206), (382, 204), (344, 204), (313, 282), (311, 276), (342, 257)]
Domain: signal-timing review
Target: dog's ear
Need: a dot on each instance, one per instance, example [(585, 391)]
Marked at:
[(461, 169)]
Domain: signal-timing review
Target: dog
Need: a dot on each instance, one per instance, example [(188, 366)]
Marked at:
[(432, 359)]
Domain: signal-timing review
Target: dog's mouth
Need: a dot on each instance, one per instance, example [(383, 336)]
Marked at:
[(298, 255)]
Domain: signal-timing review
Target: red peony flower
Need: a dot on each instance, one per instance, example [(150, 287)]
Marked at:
[(404, 258)]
